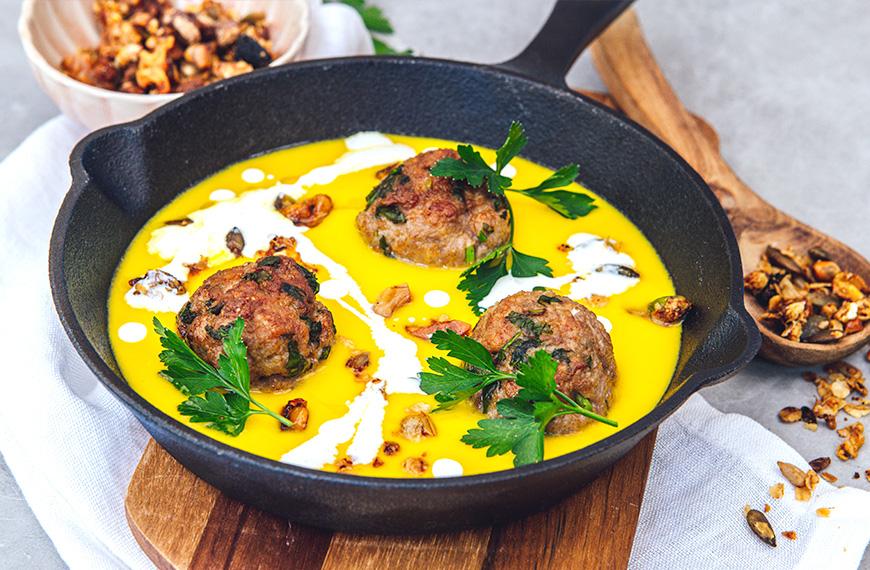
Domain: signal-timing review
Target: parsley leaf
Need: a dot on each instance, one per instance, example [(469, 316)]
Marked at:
[(524, 265), (450, 383), (376, 23), (524, 418), (471, 167), (479, 279), (515, 142), (219, 396), (466, 349), (568, 204)]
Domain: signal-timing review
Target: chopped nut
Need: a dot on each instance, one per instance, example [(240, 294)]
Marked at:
[(759, 525), (415, 465), (358, 362), (790, 534), (425, 332), (155, 279), (830, 478), (416, 426), (669, 311), (867, 474), (343, 464), (377, 462), (849, 286), (854, 435), (819, 464), (823, 512), (825, 270), (756, 281), (789, 415), (793, 474), (777, 491), (811, 480), (390, 448), (296, 411), (391, 299), (856, 411), (310, 212), (198, 267), (840, 389), (766, 508)]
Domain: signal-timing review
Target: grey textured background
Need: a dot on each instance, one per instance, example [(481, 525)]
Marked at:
[(784, 82)]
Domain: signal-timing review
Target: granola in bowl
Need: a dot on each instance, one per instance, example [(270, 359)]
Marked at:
[(152, 47)]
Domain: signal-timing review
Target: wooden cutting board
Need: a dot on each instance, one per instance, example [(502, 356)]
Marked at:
[(181, 521)]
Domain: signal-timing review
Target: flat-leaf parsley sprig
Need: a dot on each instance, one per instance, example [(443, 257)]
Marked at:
[(376, 23), (219, 396), (479, 279), (524, 419)]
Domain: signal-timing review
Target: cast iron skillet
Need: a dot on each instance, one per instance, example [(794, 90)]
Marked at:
[(122, 175)]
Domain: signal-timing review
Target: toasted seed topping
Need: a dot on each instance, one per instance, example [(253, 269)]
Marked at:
[(759, 525)]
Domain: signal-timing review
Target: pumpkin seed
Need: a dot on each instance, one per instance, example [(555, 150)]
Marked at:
[(795, 475), (819, 464), (780, 259), (235, 241), (759, 525)]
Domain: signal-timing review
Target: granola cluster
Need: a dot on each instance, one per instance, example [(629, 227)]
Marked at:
[(844, 389), (149, 46), (809, 298)]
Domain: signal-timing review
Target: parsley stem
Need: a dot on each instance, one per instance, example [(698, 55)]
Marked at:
[(576, 408), (269, 412)]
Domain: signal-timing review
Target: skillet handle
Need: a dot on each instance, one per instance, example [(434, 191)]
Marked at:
[(572, 26)]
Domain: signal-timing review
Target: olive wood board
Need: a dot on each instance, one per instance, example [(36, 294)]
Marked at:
[(181, 521)]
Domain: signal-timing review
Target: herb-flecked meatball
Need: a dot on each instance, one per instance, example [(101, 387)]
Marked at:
[(520, 325), (287, 331), (432, 220)]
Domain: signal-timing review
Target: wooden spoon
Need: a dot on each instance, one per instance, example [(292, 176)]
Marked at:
[(636, 82)]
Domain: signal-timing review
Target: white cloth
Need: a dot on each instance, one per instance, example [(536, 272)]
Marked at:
[(72, 448), (706, 467)]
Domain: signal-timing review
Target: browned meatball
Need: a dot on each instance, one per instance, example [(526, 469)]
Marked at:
[(432, 220), (287, 331), (520, 325)]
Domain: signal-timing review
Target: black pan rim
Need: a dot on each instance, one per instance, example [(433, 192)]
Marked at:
[(121, 390)]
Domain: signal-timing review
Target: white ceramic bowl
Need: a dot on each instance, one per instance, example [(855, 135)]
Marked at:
[(51, 29)]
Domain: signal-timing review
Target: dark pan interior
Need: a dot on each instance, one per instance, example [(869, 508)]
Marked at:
[(123, 175)]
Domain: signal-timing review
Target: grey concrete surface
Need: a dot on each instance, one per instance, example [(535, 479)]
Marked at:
[(784, 83)]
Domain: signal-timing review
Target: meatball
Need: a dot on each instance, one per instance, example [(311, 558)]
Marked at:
[(433, 220), (520, 325), (287, 331)]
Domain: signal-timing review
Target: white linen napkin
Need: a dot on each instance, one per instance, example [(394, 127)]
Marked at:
[(72, 448)]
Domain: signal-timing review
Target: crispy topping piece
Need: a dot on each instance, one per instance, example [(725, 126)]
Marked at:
[(669, 311), (854, 435), (309, 212), (426, 332), (391, 299), (416, 426), (415, 465), (296, 411), (358, 362), (819, 464)]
